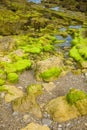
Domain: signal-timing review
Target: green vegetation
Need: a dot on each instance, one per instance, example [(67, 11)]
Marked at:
[(12, 77), (75, 95), (50, 74), (2, 82)]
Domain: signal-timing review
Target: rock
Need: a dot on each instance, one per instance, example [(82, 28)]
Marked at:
[(48, 69), (12, 93), (46, 122), (35, 126), (64, 108), (12, 77), (28, 103), (7, 43), (60, 110), (49, 86)]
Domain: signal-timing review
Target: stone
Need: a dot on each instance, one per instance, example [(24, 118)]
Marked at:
[(60, 110), (48, 69), (49, 86), (12, 93), (35, 126), (67, 107), (27, 103)]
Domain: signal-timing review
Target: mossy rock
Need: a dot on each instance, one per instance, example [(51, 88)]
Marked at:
[(74, 53), (12, 93), (27, 103), (67, 107), (3, 88), (75, 95), (51, 74), (9, 67), (48, 48), (35, 89), (35, 49), (12, 77), (2, 82), (18, 66), (2, 74), (22, 65)]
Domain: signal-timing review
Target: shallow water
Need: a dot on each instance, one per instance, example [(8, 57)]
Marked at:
[(35, 1), (67, 42), (75, 26), (55, 8)]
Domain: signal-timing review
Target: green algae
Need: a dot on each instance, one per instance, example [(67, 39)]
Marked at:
[(48, 48), (2, 82), (50, 74), (75, 54), (22, 65), (35, 49), (2, 74), (12, 77), (18, 66), (3, 88), (75, 95)]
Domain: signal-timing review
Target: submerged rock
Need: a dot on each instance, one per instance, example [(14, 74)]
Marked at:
[(64, 108), (35, 126)]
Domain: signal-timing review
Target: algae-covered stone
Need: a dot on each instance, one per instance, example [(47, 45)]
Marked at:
[(2, 74), (48, 69), (35, 126), (35, 49), (2, 81), (67, 107), (51, 74), (75, 54), (27, 103), (48, 48), (10, 68), (3, 89), (12, 77), (35, 89), (75, 95), (60, 110), (22, 65), (12, 92), (18, 66)]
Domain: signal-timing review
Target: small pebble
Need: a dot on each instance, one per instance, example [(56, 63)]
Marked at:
[(46, 122), (60, 128), (60, 125)]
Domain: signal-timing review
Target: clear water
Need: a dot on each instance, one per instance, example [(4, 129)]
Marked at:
[(35, 1), (75, 26), (67, 42), (55, 8)]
